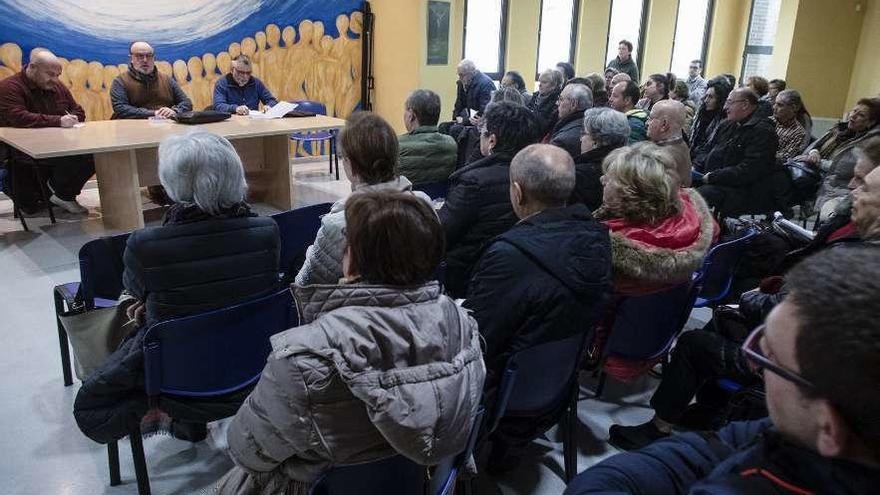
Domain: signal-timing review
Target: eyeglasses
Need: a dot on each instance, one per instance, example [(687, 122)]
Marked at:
[(731, 102), (752, 350), (145, 56), (695, 67)]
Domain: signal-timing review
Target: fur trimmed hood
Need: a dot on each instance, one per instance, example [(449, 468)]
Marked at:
[(649, 254)]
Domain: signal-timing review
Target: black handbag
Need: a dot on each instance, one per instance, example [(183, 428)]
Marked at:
[(203, 117), (804, 178)]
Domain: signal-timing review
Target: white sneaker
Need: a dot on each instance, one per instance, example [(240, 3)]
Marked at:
[(70, 206)]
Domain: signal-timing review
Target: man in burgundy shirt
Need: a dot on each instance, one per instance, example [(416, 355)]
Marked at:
[(36, 98)]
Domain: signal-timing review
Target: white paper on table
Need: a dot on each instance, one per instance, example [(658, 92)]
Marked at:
[(281, 109)]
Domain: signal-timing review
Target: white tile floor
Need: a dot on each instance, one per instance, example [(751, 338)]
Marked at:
[(44, 452)]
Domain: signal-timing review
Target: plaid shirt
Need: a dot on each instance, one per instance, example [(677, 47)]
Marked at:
[(792, 139)]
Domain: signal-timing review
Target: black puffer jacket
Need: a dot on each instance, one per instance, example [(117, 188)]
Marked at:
[(545, 279), (545, 109), (197, 264), (588, 171), (567, 133), (477, 208), (473, 101)]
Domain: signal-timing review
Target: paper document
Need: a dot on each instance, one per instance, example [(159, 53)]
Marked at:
[(279, 110)]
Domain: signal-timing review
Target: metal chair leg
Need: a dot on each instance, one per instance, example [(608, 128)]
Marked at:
[(16, 213), (62, 340), (113, 462), (569, 440), (140, 463)]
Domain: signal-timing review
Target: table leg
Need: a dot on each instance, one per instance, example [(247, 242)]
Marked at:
[(277, 173), (119, 188)]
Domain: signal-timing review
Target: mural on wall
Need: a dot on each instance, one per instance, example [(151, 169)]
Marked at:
[(301, 49)]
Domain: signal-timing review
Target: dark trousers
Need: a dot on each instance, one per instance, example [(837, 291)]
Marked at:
[(66, 175), (700, 357)]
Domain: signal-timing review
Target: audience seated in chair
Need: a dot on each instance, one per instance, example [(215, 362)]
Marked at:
[(741, 174), (832, 153), (473, 91), (665, 130), (477, 206), (383, 363), (543, 102), (605, 130), (210, 252), (660, 232), (370, 162), (573, 101), (657, 88), (624, 97), (426, 155), (790, 133), (681, 94), (820, 367), (35, 97), (709, 117), (513, 79), (759, 85)]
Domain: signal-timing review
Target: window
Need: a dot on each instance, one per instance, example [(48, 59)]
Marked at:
[(758, 53), (626, 23), (556, 39), (692, 28), (485, 35)]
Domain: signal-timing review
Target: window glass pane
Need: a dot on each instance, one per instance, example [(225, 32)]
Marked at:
[(554, 43), (759, 45), (626, 23), (482, 43), (690, 29)]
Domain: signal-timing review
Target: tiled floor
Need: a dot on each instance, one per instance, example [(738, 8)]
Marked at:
[(44, 452)]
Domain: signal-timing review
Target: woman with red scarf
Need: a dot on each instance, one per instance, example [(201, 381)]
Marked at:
[(659, 231)]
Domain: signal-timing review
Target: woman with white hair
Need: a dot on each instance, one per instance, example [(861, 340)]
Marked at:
[(210, 252), (544, 100), (605, 130)]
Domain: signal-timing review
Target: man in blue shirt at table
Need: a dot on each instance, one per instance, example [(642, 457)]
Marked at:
[(239, 92)]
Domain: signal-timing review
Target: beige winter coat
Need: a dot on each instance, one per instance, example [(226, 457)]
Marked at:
[(373, 371)]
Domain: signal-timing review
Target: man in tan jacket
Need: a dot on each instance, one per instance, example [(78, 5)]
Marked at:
[(143, 91), (664, 129)]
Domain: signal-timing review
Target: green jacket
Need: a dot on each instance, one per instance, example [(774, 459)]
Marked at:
[(638, 125), (426, 155)]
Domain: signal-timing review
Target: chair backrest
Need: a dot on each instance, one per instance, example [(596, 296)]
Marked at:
[(391, 475), (217, 352), (444, 476), (434, 190), (311, 106), (719, 265), (645, 326), (544, 374), (297, 229), (101, 268)]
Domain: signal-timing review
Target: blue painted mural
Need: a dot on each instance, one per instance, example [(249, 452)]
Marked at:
[(302, 49)]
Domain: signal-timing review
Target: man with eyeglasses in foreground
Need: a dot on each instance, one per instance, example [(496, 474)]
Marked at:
[(240, 92), (819, 352)]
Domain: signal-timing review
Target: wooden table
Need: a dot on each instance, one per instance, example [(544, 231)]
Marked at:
[(126, 156)]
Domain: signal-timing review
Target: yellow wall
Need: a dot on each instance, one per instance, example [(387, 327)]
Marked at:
[(788, 11), (592, 36), (866, 70), (398, 52), (826, 38), (659, 37), (730, 23)]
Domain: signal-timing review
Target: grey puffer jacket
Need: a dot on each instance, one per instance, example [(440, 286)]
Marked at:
[(373, 371), (323, 263)]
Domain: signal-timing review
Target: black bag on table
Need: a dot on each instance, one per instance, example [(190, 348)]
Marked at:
[(202, 117)]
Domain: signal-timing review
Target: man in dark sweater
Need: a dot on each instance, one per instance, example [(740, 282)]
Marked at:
[(143, 91), (36, 98), (240, 92)]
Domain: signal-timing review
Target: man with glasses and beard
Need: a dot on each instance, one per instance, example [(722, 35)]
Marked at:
[(819, 354), (240, 92)]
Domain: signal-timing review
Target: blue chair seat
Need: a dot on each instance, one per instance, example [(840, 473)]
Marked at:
[(313, 136), (328, 135)]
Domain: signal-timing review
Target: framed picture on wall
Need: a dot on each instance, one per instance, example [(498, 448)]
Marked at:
[(438, 32)]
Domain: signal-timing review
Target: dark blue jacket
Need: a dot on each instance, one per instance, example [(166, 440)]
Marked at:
[(545, 279), (748, 457), (477, 96), (228, 95)]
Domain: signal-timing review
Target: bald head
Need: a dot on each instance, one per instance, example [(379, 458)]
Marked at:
[(142, 57), (541, 176), (667, 120), (43, 57), (44, 69)]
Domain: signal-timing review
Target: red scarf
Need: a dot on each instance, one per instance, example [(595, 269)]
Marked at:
[(677, 232)]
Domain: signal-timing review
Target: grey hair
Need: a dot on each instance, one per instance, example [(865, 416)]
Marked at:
[(606, 126), (555, 76), (582, 96), (202, 168), (545, 173), (508, 94), (242, 61), (467, 66)]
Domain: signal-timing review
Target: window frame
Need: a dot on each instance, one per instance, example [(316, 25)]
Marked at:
[(707, 34), (502, 42), (572, 48), (759, 49), (643, 23)]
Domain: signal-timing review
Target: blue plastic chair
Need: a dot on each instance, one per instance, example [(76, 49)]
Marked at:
[(318, 136), (298, 229), (100, 271), (540, 379), (391, 475), (645, 327), (446, 473), (435, 190), (718, 268), (4, 176), (206, 355)]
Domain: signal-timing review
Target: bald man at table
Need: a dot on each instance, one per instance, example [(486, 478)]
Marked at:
[(36, 98)]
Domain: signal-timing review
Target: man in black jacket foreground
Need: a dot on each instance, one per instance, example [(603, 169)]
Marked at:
[(820, 358), (545, 279)]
